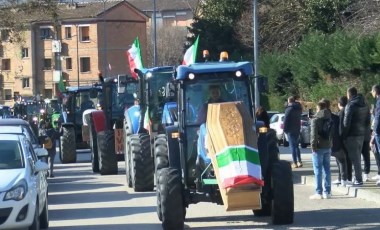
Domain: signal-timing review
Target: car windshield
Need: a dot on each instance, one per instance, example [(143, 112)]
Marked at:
[(11, 156), (203, 91)]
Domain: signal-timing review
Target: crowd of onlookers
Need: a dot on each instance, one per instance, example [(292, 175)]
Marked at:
[(349, 135)]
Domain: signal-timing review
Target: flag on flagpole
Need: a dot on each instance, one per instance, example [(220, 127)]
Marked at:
[(134, 57), (147, 122), (61, 86), (191, 53)]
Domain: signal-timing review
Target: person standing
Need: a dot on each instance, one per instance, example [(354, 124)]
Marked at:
[(366, 148), (321, 151), (338, 150), (376, 129), (54, 135), (292, 129), (355, 122)]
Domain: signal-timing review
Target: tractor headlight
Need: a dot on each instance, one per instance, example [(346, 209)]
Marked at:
[(238, 73), (191, 76), (42, 111), (149, 75), (35, 119)]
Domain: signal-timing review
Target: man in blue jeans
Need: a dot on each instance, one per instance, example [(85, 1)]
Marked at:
[(321, 150), (376, 127), (292, 129)]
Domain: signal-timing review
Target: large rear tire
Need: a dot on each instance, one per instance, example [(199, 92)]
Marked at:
[(170, 198), (107, 155), (161, 161), (142, 166), (94, 147), (68, 145), (283, 194), (127, 150)]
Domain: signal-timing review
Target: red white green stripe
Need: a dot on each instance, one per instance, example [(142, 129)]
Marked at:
[(239, 165)]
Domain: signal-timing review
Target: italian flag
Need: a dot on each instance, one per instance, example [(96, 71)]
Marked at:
[(134, 57), (191, 53), (239, 165)]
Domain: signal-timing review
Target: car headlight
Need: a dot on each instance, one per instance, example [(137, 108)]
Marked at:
[(18, 192)]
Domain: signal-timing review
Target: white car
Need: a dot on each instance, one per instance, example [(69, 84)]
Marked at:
[(276, 122), (23, 184)]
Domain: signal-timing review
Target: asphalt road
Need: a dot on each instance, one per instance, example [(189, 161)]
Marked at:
[(79, 199)]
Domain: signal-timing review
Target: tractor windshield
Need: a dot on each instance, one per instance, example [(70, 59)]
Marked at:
[(122, 100), (156, 95), (213, 90)]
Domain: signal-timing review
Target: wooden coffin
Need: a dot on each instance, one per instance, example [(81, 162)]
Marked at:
[(230, 124)]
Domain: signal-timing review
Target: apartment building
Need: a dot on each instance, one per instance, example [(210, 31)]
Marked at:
[(88, 38)]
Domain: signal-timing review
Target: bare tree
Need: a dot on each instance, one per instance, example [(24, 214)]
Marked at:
[(170, 40), (363, 16)]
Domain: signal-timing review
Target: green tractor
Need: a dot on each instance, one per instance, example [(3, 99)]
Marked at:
[(185, 175), (30, 110), (143, 122), (76, 101), (52, 111)]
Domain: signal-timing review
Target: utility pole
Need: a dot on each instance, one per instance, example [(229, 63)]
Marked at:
[(154, 34), (256, 53), (77, 27), (105, 40)]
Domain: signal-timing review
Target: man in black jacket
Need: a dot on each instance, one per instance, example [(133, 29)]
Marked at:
[(292, 128), (355, 121)]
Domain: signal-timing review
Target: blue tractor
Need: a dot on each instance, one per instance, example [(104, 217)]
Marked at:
[(183, 175), (145, 120)]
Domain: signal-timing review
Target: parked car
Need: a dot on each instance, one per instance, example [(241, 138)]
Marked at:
[(23, 184), (26, 129), (277, 123), (305, 130), (271, 113)]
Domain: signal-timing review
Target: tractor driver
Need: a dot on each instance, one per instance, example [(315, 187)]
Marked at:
[(86, 103), (214, 97)]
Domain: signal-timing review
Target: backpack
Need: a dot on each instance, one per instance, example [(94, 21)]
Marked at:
[(327, 129), (48, 144)]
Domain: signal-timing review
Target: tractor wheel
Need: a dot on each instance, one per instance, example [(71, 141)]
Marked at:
[(94, 147), (107, 155), (68, 146), (142, 166), (170, 198), (160, 153), (127, 150), (283, 196)]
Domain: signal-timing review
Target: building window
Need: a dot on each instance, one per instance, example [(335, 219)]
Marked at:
[(48, 93), (25, 83), (25, 52), (6, 64), (69, 63), (85, 64), (46, 33), (4, 35), (47, 63), (68, 33), (8, 94), (84, 33)]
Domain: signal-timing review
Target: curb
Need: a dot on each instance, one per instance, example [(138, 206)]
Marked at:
[(369, 191)]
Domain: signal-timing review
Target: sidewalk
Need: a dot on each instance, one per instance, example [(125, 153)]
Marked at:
[(369, 191)]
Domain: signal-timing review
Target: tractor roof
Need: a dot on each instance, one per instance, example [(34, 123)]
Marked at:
[(214, 67), (157, 69), (82, 88)]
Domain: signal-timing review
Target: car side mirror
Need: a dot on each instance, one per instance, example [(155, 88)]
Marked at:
[(41, 152)]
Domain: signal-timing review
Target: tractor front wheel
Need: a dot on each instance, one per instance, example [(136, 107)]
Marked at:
[(107, 155), (68, 145)]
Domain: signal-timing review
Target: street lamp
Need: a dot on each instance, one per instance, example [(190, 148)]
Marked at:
[(154, 34), (256, 53), (77, 27)]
